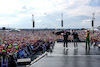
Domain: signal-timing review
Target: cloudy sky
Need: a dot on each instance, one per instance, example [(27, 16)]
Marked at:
[(47, 13)]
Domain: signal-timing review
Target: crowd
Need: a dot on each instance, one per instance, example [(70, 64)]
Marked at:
[(12, 41), (81, 33), (15, 42)]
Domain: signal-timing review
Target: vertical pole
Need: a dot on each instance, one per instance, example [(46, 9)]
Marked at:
[(93, 22), (33, 22), (62, 20)]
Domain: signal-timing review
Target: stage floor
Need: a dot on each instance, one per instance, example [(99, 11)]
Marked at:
[(61, 57)]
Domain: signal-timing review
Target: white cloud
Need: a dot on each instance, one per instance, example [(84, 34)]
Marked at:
[(58, 19), (39, 7), (96, 1), (25, 8), (83, 10), (78, 2), (39, 21), (24, 15), (10, 6), (86, 21)]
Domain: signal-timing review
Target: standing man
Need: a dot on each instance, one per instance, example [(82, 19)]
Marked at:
[(87, 39), (65, 35), (75, 38)]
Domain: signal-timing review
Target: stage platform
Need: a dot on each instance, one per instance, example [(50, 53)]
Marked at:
[(72, 57)]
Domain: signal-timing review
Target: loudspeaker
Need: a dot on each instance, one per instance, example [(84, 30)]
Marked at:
[(92, 23), (3, 28), (33, 24), (62, 23)]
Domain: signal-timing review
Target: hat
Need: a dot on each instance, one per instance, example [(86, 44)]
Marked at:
[(15, 44), (87, 30), (3, 51), (65, 30), (16, 47), (9, 46)]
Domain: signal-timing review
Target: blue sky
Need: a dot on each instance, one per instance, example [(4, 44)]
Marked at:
[(47, 13)]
